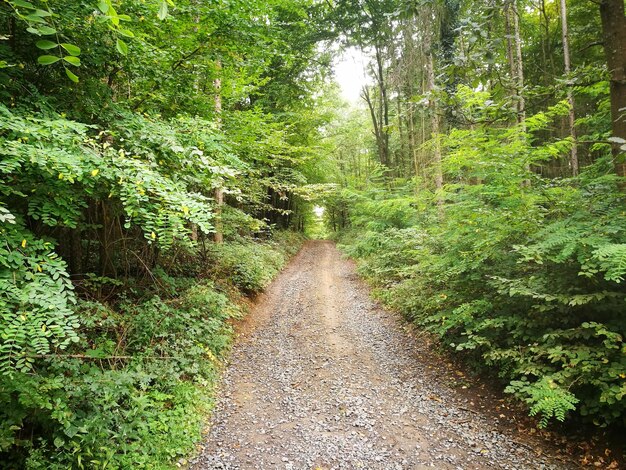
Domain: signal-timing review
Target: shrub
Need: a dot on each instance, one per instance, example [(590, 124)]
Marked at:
[(250, 266), (133, 393), (520, 274)]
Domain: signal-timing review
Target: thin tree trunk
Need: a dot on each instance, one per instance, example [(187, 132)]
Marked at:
[(549, 68), (423, 139), (509, 50), (412, 144), (76, 253), (401, 164), (384, 106), (570, 94), (365, 94), (516, 64), (614, 31), (107, 269), (519, 65), (433, 103), (219, 191)]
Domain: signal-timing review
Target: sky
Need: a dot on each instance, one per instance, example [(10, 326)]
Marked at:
[(350, 74)]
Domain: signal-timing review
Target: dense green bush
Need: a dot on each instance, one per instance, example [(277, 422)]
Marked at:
[(518, 273), (131, 393), (135, 387), (251, 266)]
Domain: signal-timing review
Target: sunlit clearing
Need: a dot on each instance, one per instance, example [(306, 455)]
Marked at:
[(319, 211)]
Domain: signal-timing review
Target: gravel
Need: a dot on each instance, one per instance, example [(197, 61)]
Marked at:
[(323, 378)]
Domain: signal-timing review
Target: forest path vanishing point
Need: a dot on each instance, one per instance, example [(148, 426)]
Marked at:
[(323, 378)]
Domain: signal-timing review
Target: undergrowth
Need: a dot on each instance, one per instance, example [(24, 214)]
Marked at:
[(519, 274), (135, 388)]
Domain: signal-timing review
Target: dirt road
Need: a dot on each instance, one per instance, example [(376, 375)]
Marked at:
[(322, 378)]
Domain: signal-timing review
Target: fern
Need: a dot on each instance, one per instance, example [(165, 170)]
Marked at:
[(546, 399), (612, 259)]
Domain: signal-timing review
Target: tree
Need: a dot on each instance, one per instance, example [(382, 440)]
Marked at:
[(429, 20), (614, 33), (570, 94)]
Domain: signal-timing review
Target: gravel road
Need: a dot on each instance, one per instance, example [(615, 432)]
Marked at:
[(323, 378)]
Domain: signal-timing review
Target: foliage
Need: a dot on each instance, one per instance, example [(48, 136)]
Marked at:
[(130, 395), (119, 123), (248, 266), (518, 273), (134, 389), (35, 300)]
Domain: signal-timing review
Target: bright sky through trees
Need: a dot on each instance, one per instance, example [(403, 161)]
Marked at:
[(350, 74)]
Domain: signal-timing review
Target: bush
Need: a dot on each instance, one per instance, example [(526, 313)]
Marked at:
[(134, 389), (250, 266), (521, 274), (131, 394)]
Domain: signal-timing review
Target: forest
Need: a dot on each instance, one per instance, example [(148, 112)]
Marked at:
[(160, 161)]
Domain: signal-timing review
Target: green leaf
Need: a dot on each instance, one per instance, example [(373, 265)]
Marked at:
[(45, 44), (113, 16), (71, 430), (103, 6), (163, 10), (47, 59), (23, 4), (71, 48), (47, 30), (71, 75), (42, 13), (35, 18), (121, 46), (127, 33), (72, 60)]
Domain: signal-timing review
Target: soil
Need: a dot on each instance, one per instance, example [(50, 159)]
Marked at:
[(321, 377)]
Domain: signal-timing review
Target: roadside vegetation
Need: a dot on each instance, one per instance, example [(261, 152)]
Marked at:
[(150, 154), (488, 206)]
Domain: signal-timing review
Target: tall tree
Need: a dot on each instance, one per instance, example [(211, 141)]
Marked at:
[(429, 22), (218, 191), (570, 94), (614, 32)]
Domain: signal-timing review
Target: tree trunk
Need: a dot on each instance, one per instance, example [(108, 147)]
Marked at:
[(519, 64), (401, 161), (107, 269), (548, 56), (219, 192), (509, 49), (433, 103), (219, 228), (76, 253), (614, 32), (514, 54), (570, 95), (380, 144), (412, 142), (516, 65), (384, 106)]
